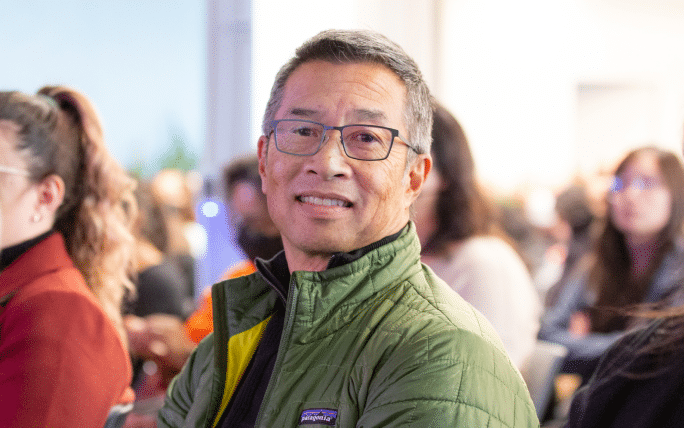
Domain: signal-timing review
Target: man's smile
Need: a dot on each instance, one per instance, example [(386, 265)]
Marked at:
[(331, 202)]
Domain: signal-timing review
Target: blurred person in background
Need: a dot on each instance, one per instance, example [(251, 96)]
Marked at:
[(67, 249), (162, 284), (575, 220), (186, 239), (640, 380), (257, 235), (526, 237), (464, 245), (167, 340), (638, 258), (161, 290)]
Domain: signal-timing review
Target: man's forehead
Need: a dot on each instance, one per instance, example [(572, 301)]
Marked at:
[(367, 114), (360, 78)]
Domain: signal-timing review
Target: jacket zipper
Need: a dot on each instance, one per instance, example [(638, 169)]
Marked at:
[(290, 310)]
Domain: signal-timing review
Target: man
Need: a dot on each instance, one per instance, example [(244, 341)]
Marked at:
[(345, 327)]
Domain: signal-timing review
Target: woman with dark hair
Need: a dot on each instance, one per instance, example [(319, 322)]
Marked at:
[(638, 258), (66, 259), (639, 382), (464, 245)]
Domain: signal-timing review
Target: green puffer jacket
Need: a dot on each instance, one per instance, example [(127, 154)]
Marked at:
[(378, 342)]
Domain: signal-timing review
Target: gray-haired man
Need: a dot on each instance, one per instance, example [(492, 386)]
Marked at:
[(345, 327)]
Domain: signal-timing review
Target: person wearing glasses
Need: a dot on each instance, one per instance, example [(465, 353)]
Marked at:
[(638, 258), (67, 209), (346, 327)]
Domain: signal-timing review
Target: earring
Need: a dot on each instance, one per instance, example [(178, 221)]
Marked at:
[(36, 218)]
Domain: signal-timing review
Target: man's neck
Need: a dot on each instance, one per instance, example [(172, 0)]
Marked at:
[(317, 262), (298, 261)]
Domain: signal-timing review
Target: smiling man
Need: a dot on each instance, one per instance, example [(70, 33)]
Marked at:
[(346, 327)]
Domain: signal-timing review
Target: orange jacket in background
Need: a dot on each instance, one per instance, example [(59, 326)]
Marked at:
[(201, 322)]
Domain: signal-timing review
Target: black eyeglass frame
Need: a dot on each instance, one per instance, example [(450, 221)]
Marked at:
[(326, 128)]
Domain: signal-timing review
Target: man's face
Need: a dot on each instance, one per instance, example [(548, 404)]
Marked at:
[(328, 202)]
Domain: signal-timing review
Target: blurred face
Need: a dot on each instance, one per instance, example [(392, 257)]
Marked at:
[(248, 206), (640, 201), (327, 202), (18, 195)]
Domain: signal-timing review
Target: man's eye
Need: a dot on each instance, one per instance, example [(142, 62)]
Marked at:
[(364, 137), (304, 131), (367, 138)]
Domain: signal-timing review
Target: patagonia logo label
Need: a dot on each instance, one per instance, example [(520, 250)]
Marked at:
[(318, 417)]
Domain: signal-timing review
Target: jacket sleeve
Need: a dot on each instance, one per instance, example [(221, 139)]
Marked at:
[(437, 384), (555, 323), (188, 394)]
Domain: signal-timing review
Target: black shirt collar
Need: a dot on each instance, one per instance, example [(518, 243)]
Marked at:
[(340, 259), (10, 254), (277, 272)]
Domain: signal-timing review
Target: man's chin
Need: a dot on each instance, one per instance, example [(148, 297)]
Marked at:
[(323, 246)]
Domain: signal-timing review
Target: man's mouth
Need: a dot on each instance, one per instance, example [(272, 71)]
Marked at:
[(324, 201)]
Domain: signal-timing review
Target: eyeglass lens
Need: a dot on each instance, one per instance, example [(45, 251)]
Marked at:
[(366, 142), (640, 183)]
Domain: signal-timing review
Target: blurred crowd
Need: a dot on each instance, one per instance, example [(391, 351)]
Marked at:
[(593, 262), (573, 266)]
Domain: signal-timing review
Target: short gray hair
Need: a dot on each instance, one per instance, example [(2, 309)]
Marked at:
[(363, 46)]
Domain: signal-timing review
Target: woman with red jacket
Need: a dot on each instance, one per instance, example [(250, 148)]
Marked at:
[(66, 209)]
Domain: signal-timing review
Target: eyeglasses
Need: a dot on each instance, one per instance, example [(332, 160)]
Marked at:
[(14, 171), (641, 183), (361, 142)]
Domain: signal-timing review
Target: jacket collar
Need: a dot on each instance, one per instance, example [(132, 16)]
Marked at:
[(47, 256), (10, 254), (277, 273), (332, 297)]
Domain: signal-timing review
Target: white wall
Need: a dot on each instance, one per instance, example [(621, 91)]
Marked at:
[(545, 89), (280, 27), (550, 89)]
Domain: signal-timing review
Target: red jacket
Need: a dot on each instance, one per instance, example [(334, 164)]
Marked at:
[(62, 362)]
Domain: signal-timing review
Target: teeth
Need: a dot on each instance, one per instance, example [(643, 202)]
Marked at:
[(320, 201)]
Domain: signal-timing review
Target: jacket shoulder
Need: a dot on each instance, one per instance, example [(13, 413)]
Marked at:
[(452, 355), (450, 311)]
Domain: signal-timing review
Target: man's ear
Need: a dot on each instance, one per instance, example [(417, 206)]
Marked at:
[(417, 175), (50, 194), (262, 147)]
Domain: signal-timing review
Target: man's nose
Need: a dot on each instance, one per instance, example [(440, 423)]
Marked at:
[(331, 160)]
